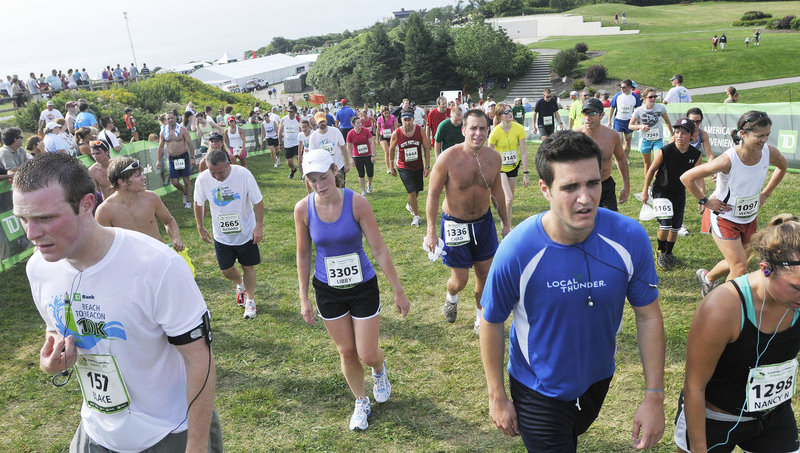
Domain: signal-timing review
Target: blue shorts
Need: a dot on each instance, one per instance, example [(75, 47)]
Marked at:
[(645, 146), (622, 125), (481, 246), (187, 169)]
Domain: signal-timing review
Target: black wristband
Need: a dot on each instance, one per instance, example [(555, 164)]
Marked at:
[(703, 201)]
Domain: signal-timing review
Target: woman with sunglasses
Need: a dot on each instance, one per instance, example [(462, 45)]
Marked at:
[(234, 141), (732, 209), (700, 140), (741, 354), (508, 139), (647, 120)]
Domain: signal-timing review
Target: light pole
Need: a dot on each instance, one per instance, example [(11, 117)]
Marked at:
[(125, 15)]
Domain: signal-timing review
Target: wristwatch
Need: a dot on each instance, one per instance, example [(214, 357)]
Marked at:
[(703, 201)]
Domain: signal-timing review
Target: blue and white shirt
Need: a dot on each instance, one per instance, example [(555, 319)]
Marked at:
[(560, 344)]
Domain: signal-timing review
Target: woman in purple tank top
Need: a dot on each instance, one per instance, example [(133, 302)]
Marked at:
[(345, 284)]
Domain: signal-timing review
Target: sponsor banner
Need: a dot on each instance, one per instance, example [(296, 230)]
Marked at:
[(15, 247), (719, 119)]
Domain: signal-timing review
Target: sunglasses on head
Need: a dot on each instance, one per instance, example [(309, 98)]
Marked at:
[(755, 116), (133, 166)]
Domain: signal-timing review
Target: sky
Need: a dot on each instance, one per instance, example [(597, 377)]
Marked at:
[(91, 34)]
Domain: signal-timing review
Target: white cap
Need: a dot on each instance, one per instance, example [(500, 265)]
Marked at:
[(52, 125), (316, 161)]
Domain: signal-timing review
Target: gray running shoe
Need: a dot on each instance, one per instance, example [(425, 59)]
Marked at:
[(662, 262), (705, 287), (450, 311), (673, 261)]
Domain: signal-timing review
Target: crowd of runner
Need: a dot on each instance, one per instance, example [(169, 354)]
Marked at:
[(564, 273)]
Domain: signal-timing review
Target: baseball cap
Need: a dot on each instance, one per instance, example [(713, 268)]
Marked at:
[(592, 105), (316, 161), (50, 103), (256, 109), (215, 136), (52, 125), (406, 115), (685, 124), (677, 77), (343, 101), (320, 116), (573, 93), (128, 110)]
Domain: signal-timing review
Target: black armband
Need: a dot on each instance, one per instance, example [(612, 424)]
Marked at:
[(201, 331)]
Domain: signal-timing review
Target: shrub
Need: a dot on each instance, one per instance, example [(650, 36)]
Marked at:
[(773, 24), (785, 23), (581, 47), (596, 74), (564, 62), (795, 25), (752, 23), (578, 85), (583, 57), (751, 15), (592, 91)]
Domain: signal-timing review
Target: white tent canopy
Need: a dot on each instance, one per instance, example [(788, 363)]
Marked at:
[(224, 59), (272, 68)]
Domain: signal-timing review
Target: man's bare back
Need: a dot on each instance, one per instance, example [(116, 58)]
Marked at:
[(467, 194), (133, 212), (100, 176)]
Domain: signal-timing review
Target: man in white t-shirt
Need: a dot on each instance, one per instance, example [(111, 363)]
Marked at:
[(419, 115), (49, 115), (330, 139), (33, 87), (237, 215), (678, 94), (287, 137), (135, 341), (622, 106), (107, 136)]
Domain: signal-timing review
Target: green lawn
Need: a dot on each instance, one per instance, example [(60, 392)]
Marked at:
[(279, 385), (677, 39), (777, 93)]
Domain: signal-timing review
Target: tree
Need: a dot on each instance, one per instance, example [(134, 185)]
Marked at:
[(334, 68), (481, 51), (379, 65), (279, 44), (419, 62)]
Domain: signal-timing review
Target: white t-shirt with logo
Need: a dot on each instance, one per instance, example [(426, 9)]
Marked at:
[(50, 115), (231, 202), (291, 127), (124, 307), (331, 141)]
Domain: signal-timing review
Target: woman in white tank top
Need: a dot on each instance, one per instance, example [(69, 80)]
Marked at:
[(733, 206), (234, 140)]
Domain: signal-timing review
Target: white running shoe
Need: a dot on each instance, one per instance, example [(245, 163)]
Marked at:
[(360, 415), (382, 389), (363, 193), (477, 327), (683, 231), (185, 199), (416, 220), (369, 188), (187, 205), (409, 209), (249, 309)]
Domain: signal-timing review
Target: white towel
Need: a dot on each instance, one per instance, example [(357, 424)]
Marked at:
[(434, 255), (165, 130)]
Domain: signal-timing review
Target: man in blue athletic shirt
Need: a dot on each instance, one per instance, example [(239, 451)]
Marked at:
[(565, 274)]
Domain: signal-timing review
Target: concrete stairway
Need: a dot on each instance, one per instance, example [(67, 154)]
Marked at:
[(532, 84)]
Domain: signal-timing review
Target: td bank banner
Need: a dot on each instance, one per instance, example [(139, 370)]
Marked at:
[(14, 246), (720, 119)]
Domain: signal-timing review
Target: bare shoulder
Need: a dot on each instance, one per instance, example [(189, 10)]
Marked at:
[(301, 206)]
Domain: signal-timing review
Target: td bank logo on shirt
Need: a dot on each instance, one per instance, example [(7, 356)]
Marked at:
[(12, 228), (84, 319), (574, 284), (787, 141)]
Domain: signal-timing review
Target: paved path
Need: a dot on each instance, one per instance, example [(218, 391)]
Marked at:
[(744, 86)]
